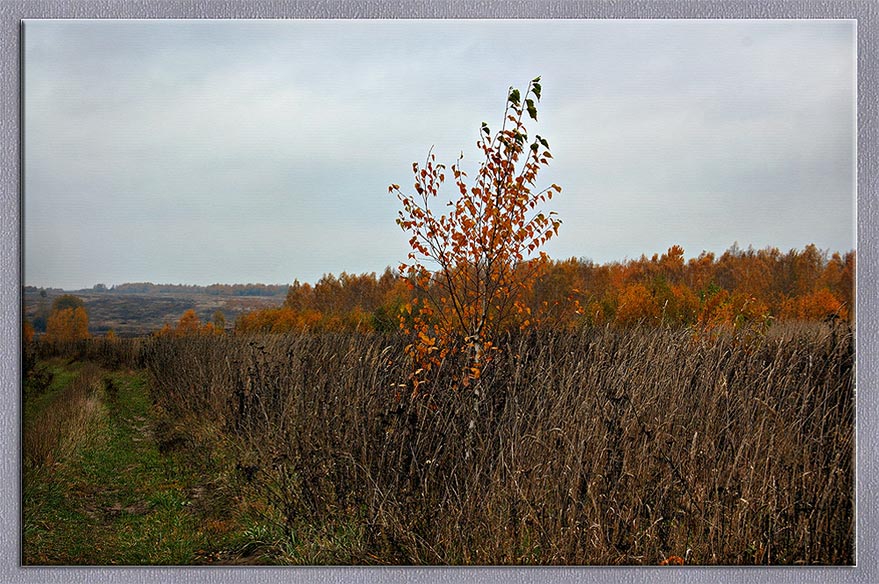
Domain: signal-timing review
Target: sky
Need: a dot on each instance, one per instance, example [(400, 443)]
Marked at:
[(200, 152)]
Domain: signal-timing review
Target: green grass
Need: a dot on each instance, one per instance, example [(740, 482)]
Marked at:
[(117, 500), (36, 398)]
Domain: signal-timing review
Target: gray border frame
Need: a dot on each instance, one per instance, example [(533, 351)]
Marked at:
[(866, 12)]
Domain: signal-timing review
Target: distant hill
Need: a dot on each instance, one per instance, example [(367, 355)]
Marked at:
[(150, 288), (134, 309)]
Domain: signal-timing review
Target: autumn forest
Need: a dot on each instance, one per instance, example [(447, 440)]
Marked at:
[(740, 289)]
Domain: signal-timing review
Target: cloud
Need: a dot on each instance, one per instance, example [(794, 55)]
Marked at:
[(228, 151)]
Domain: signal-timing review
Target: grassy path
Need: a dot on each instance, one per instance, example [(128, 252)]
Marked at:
[(116, 499)]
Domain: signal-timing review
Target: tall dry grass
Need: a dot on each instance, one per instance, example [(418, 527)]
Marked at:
[(54, 431), (109, 353), (597, 447)]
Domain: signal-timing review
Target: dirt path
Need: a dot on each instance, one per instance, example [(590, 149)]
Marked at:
[(117, 499)]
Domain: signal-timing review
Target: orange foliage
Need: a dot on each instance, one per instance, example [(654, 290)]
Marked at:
[(67, 324), (165, 331), (680, 305), (27, 332), (280, 320), (189, 325), (742, 290), (818, 305), (737, 310), (479, 245), (637, 306)]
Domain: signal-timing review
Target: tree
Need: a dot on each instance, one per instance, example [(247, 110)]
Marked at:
[(67, 301), (68, 320), (42, 316), (27, 332), (188, 325), (819, 305), (67, 324), (478, 248), (637, 306), (219, 321)]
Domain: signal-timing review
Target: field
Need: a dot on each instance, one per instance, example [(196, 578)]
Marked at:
[(600, 446), (144, 311)]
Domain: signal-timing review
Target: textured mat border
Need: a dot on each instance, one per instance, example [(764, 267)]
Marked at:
[(864, 11)]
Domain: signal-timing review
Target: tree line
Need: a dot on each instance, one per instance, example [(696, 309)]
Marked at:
[(740, 288), (213, 289)]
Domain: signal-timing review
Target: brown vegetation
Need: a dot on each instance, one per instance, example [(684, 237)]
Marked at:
[(601, 446), (53, 432)]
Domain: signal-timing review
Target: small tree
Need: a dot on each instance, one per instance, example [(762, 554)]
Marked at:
[(188, 325), (27, 332), (219, 321), (482, 250), (67, 324)]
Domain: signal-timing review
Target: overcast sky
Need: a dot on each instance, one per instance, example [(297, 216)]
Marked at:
[(261, 151)]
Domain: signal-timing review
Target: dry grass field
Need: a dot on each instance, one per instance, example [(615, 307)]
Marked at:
[(604, 446)]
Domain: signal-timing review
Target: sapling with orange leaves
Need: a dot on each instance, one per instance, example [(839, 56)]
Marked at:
[(471, 267)]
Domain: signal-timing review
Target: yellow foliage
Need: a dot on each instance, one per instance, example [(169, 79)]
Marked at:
[(637, 306), (67, 324), (818, 305), (188, 325), (27, 332)]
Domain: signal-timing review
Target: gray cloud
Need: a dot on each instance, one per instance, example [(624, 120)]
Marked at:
[(208, 151)]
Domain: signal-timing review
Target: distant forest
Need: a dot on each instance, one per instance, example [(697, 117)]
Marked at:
[(176, 289), (741, 288)]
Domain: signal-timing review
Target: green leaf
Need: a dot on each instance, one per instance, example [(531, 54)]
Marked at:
[(485, 128), (537, 91), (532, 110), (514, 97)]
